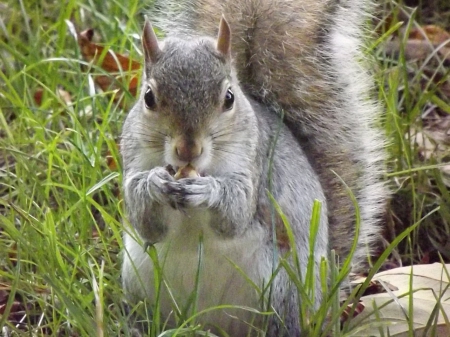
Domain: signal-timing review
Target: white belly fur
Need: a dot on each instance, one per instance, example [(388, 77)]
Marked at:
[(220, 283)]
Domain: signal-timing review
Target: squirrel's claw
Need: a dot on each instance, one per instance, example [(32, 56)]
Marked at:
[(191, 192)]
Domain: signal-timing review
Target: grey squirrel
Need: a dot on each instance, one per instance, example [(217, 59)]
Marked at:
[(214, 106)]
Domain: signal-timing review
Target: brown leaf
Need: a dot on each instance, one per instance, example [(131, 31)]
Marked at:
[(63, 94), (92, 51), (425, 258), (435, 34), (422, 41), (110, 161), (415, 49), (124, 71), (38, 96), (349, 312)]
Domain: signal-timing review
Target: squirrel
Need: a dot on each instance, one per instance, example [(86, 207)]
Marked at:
[(212, 107)]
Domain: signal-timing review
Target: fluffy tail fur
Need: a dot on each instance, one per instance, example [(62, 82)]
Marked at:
[(306, 57)]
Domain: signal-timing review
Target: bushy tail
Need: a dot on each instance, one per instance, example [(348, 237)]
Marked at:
[(306, 57)]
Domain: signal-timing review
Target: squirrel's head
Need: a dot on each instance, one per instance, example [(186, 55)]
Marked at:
[(188, 94)]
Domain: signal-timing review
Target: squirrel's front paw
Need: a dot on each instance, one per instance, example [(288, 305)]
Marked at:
[(157, 183), (193, 192)]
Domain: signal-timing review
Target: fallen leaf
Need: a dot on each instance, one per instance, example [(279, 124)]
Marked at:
[(349, 312), (110, 161), (433, 141), (422, 42), (63, 94), (123, 70), (38, 96), (429, 291), (432, 33), (415, 49)]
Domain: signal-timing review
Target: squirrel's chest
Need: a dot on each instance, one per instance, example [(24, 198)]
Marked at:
[(188, 226), (191, 243), (196, 259)]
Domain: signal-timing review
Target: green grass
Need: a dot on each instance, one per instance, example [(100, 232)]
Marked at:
[(60, 205), (58, 192), (417, 103)]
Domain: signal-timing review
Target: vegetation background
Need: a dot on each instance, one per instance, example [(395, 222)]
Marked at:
[(60, 204)]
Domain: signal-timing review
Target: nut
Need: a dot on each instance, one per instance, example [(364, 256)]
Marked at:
[(187, 171)]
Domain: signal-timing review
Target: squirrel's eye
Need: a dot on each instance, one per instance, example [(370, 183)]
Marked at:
[(149, 99), (229, 100)]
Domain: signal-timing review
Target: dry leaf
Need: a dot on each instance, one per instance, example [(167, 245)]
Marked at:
[(349, 311), (63, 94), (110, 161), (429, 287), (432, 33), (415, 49), (124, 71), (422, 42), (433, 142), (38, 96)]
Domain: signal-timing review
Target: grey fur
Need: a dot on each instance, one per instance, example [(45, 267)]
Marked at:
[(228, 204), (299, 57)]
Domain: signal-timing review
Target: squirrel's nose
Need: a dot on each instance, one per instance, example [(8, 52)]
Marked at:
[(188, 149)]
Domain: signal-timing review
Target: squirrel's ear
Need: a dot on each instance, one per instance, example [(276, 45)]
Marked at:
[(150, 43), (224, 38)]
